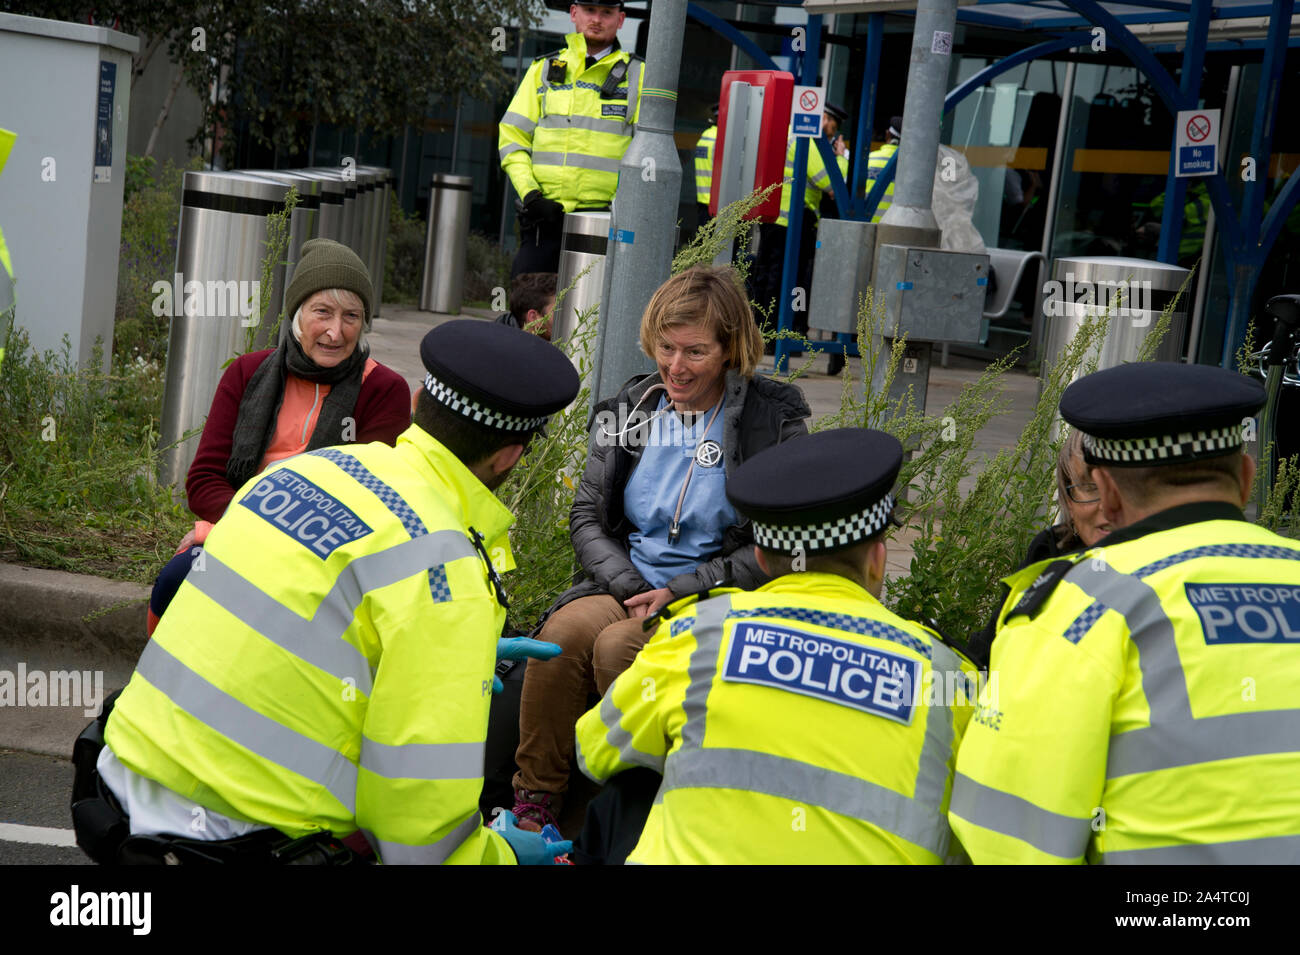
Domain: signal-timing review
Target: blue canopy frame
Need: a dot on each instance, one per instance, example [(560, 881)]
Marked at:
[(1246, 235)]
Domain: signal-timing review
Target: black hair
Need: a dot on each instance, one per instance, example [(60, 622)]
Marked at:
[(531, 290)]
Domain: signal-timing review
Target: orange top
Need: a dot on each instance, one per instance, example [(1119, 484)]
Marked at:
[(297, 419)]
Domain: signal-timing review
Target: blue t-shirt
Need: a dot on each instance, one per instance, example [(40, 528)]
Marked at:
[(650, 498)]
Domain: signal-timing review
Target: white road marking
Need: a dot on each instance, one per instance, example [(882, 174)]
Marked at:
[(37, 835)]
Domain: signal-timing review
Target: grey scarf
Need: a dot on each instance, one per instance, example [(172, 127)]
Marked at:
[(259, 409)]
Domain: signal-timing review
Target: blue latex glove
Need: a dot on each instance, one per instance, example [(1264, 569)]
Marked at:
[(529, 847), (520, 648)]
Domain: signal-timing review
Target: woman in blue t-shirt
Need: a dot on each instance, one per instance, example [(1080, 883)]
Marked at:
[(650, 522)]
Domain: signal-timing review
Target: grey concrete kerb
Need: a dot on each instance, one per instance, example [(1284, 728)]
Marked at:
[(52, 621)]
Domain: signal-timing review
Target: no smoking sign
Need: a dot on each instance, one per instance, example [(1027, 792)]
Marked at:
[(809, 104), (1195, 152)]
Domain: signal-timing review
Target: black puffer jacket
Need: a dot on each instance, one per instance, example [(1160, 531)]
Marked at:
[(759, 413)]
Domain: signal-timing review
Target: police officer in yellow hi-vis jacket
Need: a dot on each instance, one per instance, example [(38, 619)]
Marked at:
[(328, 663), (565, 131), (1149, 689), (801, 722)]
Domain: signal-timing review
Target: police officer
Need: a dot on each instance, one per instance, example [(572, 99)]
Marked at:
[(1149, 690), (771, 246), (801, 722), (327, 665), (878, 159), (566, 130), (704, 147)]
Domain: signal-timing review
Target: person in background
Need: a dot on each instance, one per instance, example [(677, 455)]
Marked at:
[(772, 235), (650, 521), (877, 161), (532, 301), (704, 149), (566, 129)]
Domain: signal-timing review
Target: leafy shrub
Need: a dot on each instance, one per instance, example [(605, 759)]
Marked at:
[(487, 268), (78, 489), (150, 215), (404, 257)]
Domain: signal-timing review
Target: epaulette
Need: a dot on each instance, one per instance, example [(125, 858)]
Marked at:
[(554, 53), (667, 611), (931, 627), (1032, 600)]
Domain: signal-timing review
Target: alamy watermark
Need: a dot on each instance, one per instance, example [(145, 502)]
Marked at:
[(1127, 299), (208, 299), (23, 687)]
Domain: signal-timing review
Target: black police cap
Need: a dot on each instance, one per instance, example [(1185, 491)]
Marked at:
[(1152, 413), (837, 113), (499, 376), (819, 492)]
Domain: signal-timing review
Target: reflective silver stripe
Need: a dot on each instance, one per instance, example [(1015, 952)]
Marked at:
[(320, 641), (1163, 682), (578, 160), (709, 615), (519, 121), (1274, 850), (423, 760), (614, 126), (1063, 836), (505, 151), (621, 740), (435, 853), (242, 724), (1204, 740), (936, 751), (633, 89), (749, 771)]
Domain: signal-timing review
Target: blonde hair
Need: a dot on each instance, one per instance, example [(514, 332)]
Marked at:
[(1071, 448), (343, 298), (708, 297)]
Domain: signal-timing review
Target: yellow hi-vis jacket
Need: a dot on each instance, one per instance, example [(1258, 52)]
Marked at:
[(1148, 704), (818, 180), (327, 663), (876, 162), (6, 265), (801, 722), (564, 137), (704, 148)]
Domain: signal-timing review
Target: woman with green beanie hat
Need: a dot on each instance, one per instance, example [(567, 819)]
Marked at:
[(317, 389)]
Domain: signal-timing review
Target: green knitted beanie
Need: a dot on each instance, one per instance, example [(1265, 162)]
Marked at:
[(324, 264)]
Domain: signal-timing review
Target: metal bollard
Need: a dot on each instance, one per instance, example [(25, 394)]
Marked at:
[(304, 224), (444, 249), (219, 249), (332, 190), (582, 247)]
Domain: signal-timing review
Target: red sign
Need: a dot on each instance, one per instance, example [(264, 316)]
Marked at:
[(807, 101), (1198, 127)]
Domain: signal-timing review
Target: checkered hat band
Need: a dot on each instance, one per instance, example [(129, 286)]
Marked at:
[(812, 539), (1166, 447), (470, 408)]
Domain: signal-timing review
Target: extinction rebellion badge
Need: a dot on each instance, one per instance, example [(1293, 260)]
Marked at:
[(708, 454)]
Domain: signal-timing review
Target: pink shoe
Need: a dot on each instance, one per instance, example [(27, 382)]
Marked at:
[(535, 809)]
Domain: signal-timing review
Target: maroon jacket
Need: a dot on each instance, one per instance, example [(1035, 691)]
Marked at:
[(383, 412)]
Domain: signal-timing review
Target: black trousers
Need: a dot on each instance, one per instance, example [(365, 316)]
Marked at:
[(766, 278), (615, 818), (539, 248)]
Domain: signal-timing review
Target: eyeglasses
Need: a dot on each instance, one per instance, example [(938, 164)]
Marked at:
[(1083, 493)]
